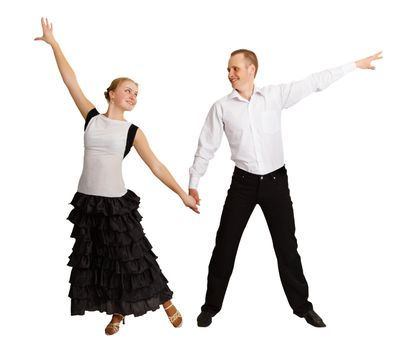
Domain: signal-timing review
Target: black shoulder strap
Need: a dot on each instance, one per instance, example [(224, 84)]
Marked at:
[(90, 115), (130, 138)]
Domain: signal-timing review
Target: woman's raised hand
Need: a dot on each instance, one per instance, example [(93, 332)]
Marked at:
[(47, 36)]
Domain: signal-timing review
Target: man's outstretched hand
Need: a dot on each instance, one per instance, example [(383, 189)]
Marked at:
[(366, 63), (195, 194)]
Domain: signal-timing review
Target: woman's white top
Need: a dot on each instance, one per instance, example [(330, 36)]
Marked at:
[(106, 143)]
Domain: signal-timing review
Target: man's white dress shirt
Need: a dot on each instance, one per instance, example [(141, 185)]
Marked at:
[(253, 128)]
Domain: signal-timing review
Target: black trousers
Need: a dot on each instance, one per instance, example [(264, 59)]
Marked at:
[(271, 192)]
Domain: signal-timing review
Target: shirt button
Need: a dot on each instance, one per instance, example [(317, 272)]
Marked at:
[(261, 177)]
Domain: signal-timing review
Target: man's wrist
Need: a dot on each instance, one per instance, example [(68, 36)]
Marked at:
[(193, 182)]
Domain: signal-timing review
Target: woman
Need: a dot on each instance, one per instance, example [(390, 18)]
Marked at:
[(113, 267)]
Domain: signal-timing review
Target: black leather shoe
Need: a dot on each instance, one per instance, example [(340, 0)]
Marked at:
[(313, 319), (204, 319)]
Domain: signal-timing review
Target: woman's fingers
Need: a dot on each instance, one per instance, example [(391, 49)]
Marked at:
[(47, 30), (43, 23), (47, 26)]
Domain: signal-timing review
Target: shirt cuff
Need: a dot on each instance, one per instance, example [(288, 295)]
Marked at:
[(194, 182), (349, 67)]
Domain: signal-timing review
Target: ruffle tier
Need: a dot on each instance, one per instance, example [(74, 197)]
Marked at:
[(114, 269)]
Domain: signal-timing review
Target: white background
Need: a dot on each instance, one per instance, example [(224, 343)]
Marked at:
[(340, 152)]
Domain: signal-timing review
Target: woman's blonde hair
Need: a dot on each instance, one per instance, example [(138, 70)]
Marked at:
[(115, 83)]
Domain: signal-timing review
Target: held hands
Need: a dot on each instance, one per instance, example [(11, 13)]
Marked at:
[(366, 63), (190, 202), (47, 36), (195, 194)]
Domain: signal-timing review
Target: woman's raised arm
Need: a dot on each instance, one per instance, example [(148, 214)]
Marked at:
[(67, 73)]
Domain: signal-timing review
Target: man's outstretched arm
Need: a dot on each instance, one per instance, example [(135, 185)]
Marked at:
[(295, 91)]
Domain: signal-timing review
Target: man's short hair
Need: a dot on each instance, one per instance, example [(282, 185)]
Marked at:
[(249, 55)]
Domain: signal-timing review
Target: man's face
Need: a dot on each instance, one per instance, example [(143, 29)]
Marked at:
[(240, 72)]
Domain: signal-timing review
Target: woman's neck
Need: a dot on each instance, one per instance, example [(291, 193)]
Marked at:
[(114, 113)]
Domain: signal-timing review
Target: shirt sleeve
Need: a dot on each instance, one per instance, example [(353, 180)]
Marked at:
[(209, 141), (292, 93)]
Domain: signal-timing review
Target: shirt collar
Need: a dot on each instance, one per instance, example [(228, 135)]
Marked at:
[(235, 94)]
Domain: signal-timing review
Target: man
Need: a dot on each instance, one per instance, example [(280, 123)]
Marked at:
[(251, 119)]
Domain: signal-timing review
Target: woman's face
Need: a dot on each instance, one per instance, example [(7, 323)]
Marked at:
[(125, 95)]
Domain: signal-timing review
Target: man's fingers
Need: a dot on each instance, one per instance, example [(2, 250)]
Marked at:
[(195, 209), (377, 56)]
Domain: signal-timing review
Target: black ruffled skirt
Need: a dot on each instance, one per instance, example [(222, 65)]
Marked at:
[(113, 267)]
